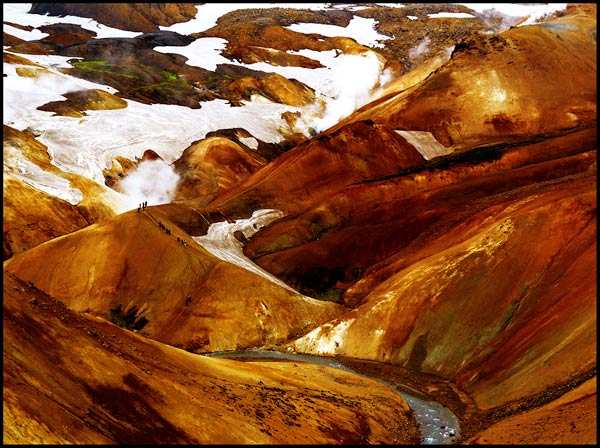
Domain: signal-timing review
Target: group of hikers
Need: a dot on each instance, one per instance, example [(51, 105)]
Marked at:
[(168, 232), (142, 206), (162, 226)]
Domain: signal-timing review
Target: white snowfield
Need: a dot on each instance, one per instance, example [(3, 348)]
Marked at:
[(221, 242), (87, 145)]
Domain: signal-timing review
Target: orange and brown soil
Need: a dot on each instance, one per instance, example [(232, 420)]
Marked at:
[(72, 378), (469, 277), (152, 393), (143, 17), (77, 102)]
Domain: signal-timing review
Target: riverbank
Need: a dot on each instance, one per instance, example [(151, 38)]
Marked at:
[(558, 414)]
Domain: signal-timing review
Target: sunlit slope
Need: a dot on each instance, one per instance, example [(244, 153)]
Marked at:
[(72, 378), (132, 262), (527, 80), (61, 203), (211, 165), (504, 303), (326, 248), (31, 217), (320, 167)]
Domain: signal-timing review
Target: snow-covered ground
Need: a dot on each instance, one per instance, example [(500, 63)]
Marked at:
[(221, 242), (87, 145)]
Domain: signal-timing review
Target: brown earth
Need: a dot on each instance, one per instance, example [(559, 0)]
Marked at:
[(138, 72), (77, 102), (58, 388), (143, 17), (332, 244), (130, 262), (501, 86), (31, 217), (320, 166), (41, 214), (470, 277), (212, 165)]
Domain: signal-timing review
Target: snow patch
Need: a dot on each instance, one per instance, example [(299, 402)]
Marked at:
[(324, 340), (17, 165), (250, 142), (425, 143), (219, 241)]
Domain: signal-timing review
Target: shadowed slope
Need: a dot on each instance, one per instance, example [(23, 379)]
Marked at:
[(131, 262), (72, 378), (126, 16), (570, 419)]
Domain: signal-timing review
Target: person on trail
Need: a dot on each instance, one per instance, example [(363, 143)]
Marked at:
[(188, 299), (139, 206)]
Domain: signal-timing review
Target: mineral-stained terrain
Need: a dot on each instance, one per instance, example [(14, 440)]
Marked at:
[(441, 237)]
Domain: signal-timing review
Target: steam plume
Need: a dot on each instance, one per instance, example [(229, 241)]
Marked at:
[(350, 86), (153, 181), (416, 53)]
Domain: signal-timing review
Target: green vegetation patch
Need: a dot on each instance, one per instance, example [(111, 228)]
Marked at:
[(128, 319), (331, 295), (105, 67)]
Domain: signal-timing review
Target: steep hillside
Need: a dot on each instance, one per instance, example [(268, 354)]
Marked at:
[(212, 165), (526, 80), (319, 167), (441, 238), (52, 217), (73, 378), (126, 16), (329, 246), (135, 269), (68, 201)]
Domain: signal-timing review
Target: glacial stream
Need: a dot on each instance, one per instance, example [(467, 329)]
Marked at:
[(437, 424)]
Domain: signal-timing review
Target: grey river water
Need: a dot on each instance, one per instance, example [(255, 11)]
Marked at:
[(438, 425)]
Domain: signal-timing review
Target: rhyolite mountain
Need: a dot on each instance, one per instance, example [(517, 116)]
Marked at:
[(445, 231)]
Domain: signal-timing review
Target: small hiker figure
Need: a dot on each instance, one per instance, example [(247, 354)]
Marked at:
[(145, 204), (139, 207), (188, 299)]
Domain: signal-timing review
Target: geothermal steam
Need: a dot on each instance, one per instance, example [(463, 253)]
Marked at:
[(351, 84), (153, 181)]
